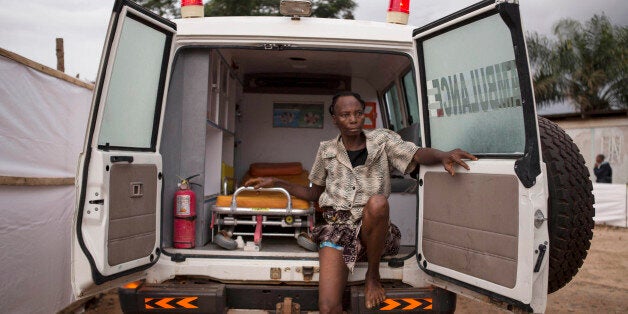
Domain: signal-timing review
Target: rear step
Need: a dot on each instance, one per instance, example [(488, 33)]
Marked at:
[(407, 300), (211, 297)]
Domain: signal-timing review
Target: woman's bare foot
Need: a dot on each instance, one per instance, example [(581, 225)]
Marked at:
[(374, 293)]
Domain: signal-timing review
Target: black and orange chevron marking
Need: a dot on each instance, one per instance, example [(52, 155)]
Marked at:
[(171, 303), (406, 304)]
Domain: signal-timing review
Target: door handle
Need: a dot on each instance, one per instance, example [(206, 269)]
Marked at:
[(115, 159), (539, 260)]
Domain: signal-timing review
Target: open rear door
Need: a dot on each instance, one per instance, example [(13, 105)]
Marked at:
[(477, 229), (116, 230)]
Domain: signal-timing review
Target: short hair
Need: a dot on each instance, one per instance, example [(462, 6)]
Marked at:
[(343, 94), (602, 156)]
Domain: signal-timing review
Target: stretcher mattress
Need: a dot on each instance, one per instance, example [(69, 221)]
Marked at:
[(256, 199), (275, 169), (300, 179)]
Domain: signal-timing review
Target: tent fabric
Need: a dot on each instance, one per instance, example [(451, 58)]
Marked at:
[(610, 204), (35, 239), (41, 134), (43, 122)]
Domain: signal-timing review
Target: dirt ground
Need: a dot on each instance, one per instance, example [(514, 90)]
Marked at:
[(601, 285)]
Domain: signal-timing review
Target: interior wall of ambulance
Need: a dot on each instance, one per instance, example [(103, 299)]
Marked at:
[(260, 142), (41, 135)]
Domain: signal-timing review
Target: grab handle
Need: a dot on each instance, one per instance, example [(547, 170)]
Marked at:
[(115, 159), (225, 184), (234, 203)]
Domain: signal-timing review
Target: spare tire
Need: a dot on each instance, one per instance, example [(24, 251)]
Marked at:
[(570, 204)]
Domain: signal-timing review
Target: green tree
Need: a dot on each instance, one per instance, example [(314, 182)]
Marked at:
[(320, 8), (585, 63), (165, 8)]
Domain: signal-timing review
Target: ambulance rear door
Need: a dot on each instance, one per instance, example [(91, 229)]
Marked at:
[(117, 223), (484, 229)]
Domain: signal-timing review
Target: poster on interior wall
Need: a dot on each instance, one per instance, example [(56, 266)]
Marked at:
[(370, 115), (298, 115)]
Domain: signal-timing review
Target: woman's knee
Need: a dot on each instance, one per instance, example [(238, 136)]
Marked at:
[(377, 206)]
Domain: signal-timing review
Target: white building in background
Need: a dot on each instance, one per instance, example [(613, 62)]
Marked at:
[(604, 134)]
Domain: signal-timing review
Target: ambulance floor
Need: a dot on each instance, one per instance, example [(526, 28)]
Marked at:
[(271, 247)]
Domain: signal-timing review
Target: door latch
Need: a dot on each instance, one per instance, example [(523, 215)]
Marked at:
[(308, 272), (136, 189)]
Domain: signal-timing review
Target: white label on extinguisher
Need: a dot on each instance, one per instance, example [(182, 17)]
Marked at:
[(183, 205)]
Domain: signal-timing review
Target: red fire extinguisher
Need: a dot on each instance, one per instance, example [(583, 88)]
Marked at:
[(185, 215)]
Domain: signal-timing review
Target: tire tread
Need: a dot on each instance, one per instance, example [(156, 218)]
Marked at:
[(570, 204)]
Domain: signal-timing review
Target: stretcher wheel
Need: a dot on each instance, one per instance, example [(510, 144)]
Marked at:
[(304, 241), (225, 242)]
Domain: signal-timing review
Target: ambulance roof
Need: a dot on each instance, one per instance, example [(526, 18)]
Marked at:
[(284, 27)]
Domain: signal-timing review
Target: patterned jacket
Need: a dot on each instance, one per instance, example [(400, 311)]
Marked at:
[(348, 188)]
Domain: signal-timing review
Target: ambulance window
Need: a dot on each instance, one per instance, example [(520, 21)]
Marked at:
[(393, 108), (472, 89), (132, 97), (409, 88)]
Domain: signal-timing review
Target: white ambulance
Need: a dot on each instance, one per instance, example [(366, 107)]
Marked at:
[(214, 96)]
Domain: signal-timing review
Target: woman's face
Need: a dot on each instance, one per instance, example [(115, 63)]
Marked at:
[(348, 115)]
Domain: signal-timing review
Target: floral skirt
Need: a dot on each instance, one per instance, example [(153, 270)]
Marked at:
[(339, 229)]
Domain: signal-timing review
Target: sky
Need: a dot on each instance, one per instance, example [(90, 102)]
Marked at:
[(29, 27)]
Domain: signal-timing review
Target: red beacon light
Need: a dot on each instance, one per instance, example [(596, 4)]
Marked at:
[(398, 12), (192, 8)]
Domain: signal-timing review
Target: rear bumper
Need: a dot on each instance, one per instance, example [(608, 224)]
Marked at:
[(211, 297)]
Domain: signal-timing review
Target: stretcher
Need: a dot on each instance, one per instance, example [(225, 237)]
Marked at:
[(266, 212)]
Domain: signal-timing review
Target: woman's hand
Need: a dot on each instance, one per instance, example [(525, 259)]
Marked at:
[(431, 156), (260, 182), (451, 158), (303, 192)]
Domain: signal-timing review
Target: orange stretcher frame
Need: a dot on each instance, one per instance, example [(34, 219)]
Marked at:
[(265, 207)]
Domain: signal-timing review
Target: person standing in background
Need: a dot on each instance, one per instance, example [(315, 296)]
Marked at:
[(602, 170)]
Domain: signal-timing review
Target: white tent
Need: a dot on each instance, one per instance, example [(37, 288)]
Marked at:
[(43, 120), (611, 204)]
